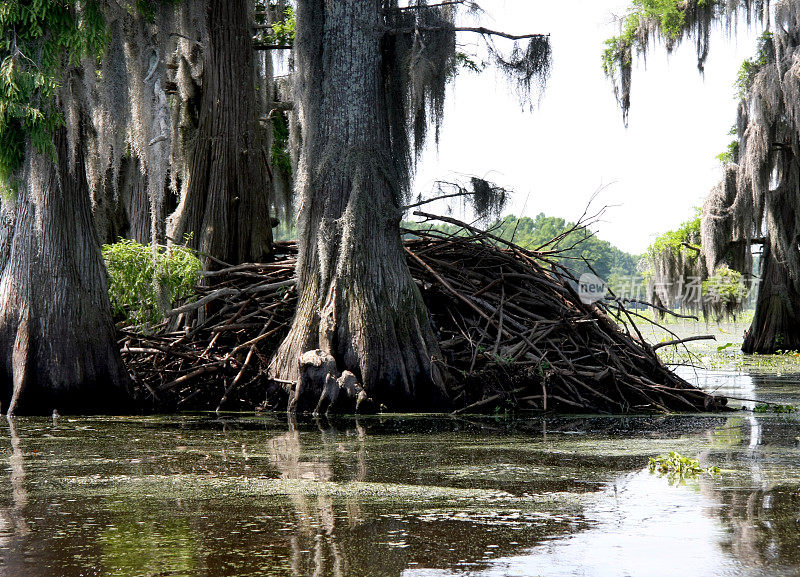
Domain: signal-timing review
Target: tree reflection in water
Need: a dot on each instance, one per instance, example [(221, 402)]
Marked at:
[(202, 497), (14, 528), (314, 548), (761, 497)]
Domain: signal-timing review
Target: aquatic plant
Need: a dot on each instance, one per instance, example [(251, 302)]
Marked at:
[(676, 466), (773, 408)]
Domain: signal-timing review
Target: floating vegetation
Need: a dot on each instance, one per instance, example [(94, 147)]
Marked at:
[(677, 467), (728, 356), (210, 486), (601, 451), (513, 518), (773, 408)]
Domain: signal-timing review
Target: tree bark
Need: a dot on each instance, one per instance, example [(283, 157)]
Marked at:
[(136, 204), (57, 340), (775, 323), (226, 206), (124, 212), (357, 299)]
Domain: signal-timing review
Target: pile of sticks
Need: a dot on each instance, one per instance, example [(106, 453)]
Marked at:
[(513, 331), (213, 352), (513, 327)]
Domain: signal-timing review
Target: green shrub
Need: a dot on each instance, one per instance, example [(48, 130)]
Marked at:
[(142, 284), (773, 408)]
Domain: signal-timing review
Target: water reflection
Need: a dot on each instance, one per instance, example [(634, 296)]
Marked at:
[(314, 547), (13, 526), (389, 496), (760, 502)]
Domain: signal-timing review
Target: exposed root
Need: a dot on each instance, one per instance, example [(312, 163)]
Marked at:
[(320, 379)]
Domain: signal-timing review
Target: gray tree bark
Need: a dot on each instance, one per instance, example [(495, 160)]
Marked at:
[(774, 325), (226, 206), (57, 341), (124, 212), (357, 299)]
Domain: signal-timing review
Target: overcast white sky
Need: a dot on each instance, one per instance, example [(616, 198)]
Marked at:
[(554, 158)]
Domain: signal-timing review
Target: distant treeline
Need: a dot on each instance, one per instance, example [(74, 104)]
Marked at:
[(579, 244)]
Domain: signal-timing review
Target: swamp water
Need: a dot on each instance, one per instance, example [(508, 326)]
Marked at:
[(413, 496)]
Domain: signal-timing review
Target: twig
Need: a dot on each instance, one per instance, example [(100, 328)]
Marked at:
[(686, 340), (220, 293)]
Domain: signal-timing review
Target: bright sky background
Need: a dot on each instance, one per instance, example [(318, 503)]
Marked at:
[(556, 157)]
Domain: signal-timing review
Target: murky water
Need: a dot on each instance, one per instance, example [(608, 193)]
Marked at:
[(412, 496)]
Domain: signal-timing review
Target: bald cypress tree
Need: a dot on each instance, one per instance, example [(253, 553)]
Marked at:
[(369, 82), (757, 199), (158, 95), (57, 341), (224, 209)]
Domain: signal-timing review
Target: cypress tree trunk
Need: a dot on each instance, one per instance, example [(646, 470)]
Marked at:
[(226, 208), (357, 299), (775, 323), (136, 204), (124, 212), (58, 346)]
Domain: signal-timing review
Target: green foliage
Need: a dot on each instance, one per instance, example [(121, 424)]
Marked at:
[(726, 285), (731, 154), (136, 276), (618, 48), (469, 62), (609, 262), (283, 31), (677, 467), (281, 160), (770, 408), (673, 240), (578, 246), (751, 66), (38, 40), (280, 32), (670, 16)]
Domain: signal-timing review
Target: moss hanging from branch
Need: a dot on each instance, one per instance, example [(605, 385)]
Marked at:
[(677, 268), (527, 68), (421, 61), (725, 292), (672, 22), (757, 191), (421, 58), (36, 42), (155, 53), (760, 190), (485, 198)]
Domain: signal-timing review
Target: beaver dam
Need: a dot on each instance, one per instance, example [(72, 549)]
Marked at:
[(514, 333)]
